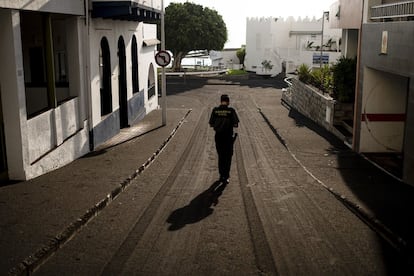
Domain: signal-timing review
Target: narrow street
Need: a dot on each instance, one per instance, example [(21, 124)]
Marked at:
[(275, 217)]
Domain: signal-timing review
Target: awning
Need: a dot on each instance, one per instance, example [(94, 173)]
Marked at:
[(124, 10), (151, 42)]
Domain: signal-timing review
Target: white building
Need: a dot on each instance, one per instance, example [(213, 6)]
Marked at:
[(72, 75), (227, 58), (123, 72), (288, 43)]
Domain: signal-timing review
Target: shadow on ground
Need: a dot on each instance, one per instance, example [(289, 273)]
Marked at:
[(198, 209), (389, 200)]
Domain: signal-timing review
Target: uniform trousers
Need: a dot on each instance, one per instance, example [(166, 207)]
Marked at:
[(224, 147)]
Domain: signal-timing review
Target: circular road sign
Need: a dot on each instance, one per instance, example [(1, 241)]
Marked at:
[(162, 58)]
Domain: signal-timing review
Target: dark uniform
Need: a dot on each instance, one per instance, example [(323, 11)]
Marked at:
[(223, 118)]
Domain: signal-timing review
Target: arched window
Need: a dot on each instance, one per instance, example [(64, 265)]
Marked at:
[(151, 81), (105, 77), (134, 59)]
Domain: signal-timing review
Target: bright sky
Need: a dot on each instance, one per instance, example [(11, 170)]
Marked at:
[(235, 12)]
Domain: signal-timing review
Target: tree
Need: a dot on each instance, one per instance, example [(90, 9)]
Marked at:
[(241, 54), (189, 27)]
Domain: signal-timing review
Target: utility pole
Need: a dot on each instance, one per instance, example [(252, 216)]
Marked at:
[(323, 23)]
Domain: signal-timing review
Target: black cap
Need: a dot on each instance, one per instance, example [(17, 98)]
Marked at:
[(225, 98)]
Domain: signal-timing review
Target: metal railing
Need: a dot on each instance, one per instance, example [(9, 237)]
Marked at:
[(393, 11)]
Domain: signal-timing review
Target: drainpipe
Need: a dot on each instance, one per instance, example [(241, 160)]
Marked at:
[(86, 47), (50, 71)]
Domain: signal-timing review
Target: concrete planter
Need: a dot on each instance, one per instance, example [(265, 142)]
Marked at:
[(315, 105)]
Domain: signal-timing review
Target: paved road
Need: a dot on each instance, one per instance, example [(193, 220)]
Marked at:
[(275, 217)]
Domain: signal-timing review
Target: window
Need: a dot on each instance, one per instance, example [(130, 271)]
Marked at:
[(134, 57), (45, 51), (151, 82)]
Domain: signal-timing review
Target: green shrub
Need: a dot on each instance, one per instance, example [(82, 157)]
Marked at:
[(338, 80), (322, 78), (344, 78), (304, 73), (233, 72)]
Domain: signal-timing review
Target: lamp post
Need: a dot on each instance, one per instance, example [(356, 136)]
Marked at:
[(163, 79), (323, 23)]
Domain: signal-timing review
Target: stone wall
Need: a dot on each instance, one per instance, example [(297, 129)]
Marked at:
[(313, 104)]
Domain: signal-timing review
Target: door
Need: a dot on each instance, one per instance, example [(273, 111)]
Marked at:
[(123, 102)]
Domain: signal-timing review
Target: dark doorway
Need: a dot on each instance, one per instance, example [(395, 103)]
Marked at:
[(134, 59), (122, 83), (105, 75)]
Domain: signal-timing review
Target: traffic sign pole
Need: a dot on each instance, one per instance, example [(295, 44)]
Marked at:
[(163, 78)]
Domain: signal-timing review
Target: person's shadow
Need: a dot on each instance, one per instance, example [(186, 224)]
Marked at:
[(199, 208)]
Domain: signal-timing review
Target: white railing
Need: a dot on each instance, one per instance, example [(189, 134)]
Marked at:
[(395, 10)]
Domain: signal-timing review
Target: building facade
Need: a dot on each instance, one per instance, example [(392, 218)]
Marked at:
[(347, 16), (287, 43), (384, 107), (225, 59), (72, 76), (123, 84)]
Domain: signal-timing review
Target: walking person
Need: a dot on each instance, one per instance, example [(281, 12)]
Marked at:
[(223, 119)]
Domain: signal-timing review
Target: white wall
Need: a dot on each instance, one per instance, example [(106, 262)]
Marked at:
[(56, 138), (112, 30), (13, 94), (383, 93), (226, 58), (346, 14), (278, 40), (146, 55), (71, 149)]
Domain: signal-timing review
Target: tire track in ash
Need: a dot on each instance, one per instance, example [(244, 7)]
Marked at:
[(262, 251), (115, 266), (198, 241), (289, 208)]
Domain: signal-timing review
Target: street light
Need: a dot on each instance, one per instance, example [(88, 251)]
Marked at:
[(323, 21)]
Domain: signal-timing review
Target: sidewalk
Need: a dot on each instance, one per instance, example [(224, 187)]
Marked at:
[(380, 200), (39, 215)]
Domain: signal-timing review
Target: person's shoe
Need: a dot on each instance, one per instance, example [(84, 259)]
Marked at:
[(224, 180)]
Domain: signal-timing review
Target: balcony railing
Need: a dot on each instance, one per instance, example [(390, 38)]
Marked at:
[(401, 10)]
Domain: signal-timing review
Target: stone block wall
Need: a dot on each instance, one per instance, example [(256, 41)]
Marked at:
[(313, 104)]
